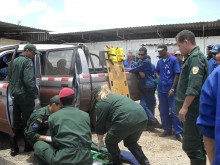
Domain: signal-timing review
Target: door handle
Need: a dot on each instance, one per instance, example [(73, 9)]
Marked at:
[(64, 85)]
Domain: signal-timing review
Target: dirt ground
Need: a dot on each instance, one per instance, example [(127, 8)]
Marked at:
[(160, 151)]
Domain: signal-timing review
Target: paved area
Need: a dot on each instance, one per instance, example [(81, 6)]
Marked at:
[(22, 159)]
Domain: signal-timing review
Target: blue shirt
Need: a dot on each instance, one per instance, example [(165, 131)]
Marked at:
[(212, 65), (167, 71), (148, 68), (3, 74), (209, 111), (128, 65)]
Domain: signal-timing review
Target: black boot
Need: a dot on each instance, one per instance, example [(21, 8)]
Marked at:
[(197, 162), (116, 160), (27, 146), (14, 145), (139, 154)]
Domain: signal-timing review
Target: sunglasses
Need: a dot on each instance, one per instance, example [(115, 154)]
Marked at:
[(141, 54)]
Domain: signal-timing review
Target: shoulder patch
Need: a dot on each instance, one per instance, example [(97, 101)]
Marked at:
[(195, 69), (40, 120)]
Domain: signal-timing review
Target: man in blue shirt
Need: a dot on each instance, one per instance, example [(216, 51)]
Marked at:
[(129, 63), (4, 66), (212, 63), (147, 82), (167, 71), (209, 116)]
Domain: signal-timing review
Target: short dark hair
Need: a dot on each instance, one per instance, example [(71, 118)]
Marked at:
[(55, 103), (67, 100), (186, 34), (144, 50)]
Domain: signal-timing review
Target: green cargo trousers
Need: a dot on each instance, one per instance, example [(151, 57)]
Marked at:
[(129, 135), (192, 138), (44, 152)]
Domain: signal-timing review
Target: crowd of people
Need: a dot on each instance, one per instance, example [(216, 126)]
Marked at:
[(180, 82), (187, 85)]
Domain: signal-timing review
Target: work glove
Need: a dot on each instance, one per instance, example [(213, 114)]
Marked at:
[(36, 103)]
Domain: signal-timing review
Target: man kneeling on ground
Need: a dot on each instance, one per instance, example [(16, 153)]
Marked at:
[(37, 125), (70, 134)]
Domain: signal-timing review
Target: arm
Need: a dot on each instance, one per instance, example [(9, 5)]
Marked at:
[(157, 71), (184, 109), (143, 66), (210, 148), (173, 88), (197, 74), (100, 141), (101, 109), (29, 78), (176, 68), (32, 128)]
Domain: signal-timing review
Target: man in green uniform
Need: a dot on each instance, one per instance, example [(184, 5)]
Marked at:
[(24, 91), (193, 74), (70, 133), (37, 125), (128, 120)]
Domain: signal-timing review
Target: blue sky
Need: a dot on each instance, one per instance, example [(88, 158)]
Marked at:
[(82, 15)]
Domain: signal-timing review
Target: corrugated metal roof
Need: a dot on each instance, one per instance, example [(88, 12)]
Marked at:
[(5, 26), (23, 33), (141, 32)]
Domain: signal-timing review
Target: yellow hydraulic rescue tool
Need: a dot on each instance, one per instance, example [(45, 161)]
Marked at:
[(117, 77)]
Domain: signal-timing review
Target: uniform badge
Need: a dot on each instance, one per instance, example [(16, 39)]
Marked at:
[(195, 69), (36, 125), (39, 120)]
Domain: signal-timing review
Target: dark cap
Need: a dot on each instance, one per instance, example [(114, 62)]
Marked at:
[(215, 48), (65, 92), (210, 46), (161, 47), (32, 48), (55, 99), (96, 90)]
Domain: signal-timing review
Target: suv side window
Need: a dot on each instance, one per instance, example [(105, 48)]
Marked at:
[(59, 63)]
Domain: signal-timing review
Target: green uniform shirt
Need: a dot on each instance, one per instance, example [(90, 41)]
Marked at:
[(71, 135), (22, 81), (193, 74), (120, 111), (37, 124)]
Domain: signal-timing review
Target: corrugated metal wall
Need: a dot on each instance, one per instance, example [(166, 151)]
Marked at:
[(151, 45)]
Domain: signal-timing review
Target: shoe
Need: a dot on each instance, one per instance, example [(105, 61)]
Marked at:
[(179, 137), (165, 133), (150, 128), (154, 124), (14, 146)]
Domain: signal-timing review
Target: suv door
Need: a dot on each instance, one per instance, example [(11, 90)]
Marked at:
[(6, 104), (57, 72)]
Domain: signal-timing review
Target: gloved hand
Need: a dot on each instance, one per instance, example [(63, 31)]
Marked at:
[(100, 144), (48, 139), (37, 103)]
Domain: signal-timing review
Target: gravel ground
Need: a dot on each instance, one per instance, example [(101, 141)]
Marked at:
[(160, 151)]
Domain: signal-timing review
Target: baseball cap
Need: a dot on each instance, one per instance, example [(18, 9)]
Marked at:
[(210, 46), (215, 48), (32, 48), (161, 47), (177, 52), (65, 92), (55, 99), (172, 53), (96, 90)]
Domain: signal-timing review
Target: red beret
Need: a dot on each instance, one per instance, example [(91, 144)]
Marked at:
[(65, 92)]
